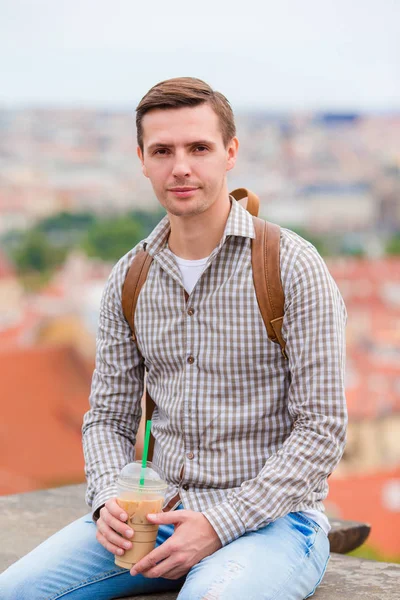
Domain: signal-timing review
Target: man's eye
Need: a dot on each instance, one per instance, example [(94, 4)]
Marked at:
[(201, 148), (161, 151)]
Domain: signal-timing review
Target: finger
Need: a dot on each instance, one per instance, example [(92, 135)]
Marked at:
[(117, 525), (112, 536), (108, 545), (168, 518), (176, 573), (114, 508), (163, 567), (150, 561)]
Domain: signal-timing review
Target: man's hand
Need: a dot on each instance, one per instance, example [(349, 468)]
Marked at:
[(193, 539), (110, 524)]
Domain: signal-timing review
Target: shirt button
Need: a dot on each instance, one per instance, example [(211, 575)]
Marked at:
[(190, 360), (190, 312), (190, 455), (185, 487)]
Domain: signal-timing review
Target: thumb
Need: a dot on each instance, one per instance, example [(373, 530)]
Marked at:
[(167, 518)]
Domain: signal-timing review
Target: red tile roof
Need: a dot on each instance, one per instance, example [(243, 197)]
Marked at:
[(44, 394), (371, 290), (371, 498)]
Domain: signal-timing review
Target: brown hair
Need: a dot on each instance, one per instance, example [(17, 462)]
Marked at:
[(186, 91)]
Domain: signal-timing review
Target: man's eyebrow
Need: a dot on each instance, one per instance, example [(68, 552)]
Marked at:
[(195, 143)]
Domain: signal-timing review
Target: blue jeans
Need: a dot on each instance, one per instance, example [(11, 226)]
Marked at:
[(284, 561)]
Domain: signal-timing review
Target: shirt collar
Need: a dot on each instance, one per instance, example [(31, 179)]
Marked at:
[(239, 223)]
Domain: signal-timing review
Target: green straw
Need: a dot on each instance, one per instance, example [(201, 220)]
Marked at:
[(145, 452)]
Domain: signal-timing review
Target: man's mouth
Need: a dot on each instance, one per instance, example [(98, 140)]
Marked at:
[(183, 192), (184, 188)]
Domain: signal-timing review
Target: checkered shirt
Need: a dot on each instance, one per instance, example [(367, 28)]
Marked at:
[(243, 435)]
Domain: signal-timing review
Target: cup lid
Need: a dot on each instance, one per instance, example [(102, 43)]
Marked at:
[(131, 473), (134, 470)]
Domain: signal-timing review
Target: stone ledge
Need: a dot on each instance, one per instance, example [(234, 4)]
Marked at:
[(42, 513)]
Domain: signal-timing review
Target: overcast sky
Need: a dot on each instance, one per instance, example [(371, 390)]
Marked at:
[(273, 54)]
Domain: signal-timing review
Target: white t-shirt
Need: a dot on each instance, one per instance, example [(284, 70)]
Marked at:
[(191, 271)]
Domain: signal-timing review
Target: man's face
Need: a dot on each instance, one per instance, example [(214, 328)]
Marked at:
[(185, 158)]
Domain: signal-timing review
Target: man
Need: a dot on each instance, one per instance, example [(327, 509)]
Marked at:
[(245, 438)]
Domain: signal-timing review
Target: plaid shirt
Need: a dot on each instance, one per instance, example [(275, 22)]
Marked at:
[(242, 434)]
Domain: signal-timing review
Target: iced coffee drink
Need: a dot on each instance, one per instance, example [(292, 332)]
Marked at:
[(138, 501)]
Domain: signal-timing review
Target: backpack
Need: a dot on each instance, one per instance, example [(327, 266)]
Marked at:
[(265, 250)]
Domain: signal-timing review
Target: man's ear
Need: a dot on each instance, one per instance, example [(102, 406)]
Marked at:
[(140, 155), (232, 151)]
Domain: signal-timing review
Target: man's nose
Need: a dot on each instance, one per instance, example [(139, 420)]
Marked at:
[(181, 167)]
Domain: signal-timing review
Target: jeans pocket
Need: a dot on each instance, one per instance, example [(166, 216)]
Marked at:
[(305, 519), (306, 531)]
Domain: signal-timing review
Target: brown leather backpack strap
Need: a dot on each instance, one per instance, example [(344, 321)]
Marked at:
[(265, 252), (134, 281), (248, 199), (133, 284)]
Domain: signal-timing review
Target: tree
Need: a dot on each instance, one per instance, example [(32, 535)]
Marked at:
[(393, 245), (148, 220), (65, 221), (35, 253), (66, 229), (112, 238)]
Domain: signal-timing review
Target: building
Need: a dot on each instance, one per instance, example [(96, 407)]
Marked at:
[(44, 395)]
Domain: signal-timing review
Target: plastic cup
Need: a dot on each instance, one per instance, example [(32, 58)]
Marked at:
[(138, 501)]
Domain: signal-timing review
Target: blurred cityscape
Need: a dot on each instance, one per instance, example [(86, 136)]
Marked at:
[(73, 200)]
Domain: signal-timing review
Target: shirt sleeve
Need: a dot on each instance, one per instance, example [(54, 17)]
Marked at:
[(314, 330), (110, 426)]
